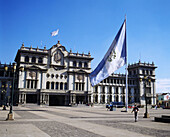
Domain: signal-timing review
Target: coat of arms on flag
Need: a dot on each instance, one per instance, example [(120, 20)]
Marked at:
[(113, 59)]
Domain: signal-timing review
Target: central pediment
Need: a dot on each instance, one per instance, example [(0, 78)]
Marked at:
[(34, 67)]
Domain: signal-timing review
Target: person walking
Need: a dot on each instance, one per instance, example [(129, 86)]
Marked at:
[(135, 110)]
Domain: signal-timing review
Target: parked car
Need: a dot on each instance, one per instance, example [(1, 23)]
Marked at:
[(118, 104)]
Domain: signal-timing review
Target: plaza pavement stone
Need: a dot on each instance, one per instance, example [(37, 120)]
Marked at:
[(81, 122)]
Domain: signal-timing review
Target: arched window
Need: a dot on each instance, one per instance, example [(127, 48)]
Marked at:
[(26, 59), (48, 75), (74, 64), (56, 86), (85, 65), (52, 75), (52, 85), (61, 86), (80, 64), (33, 60), (40, 60), (65, 86), (48, 85)]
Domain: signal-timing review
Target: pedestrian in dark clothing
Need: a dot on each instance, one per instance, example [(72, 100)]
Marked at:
[(135, 110)]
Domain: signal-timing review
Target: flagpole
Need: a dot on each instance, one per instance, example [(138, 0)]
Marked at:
[(126, 73)]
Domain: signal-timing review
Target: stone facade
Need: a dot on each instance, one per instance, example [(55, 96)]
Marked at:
[(113, 89), (56, 76)]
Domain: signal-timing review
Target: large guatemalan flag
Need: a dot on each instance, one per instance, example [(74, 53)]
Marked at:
[(114, 58)]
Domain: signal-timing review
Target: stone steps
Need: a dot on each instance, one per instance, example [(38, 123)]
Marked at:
[(164, 118)]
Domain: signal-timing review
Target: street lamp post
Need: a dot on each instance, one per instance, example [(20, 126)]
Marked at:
[(4, 97), (4, 89), (11, 115), (146, 114)]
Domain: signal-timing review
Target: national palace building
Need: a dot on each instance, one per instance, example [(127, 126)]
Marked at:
[(56, 76)]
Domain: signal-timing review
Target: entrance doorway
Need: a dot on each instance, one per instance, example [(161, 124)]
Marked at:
[(56, 100), (80, 100), (31, 98)]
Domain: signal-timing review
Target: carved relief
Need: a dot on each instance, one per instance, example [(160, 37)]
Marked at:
[(80, 77), (32, 74), (57, 57)]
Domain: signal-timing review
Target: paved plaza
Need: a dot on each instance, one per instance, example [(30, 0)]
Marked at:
[(81, 121)]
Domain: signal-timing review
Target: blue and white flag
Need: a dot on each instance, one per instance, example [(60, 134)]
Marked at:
[(54, 33), (113, 59)]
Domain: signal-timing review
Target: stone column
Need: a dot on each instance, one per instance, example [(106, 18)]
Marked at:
[(41, 98), (154, 93), (66, 102), (99, 94), (71, 100), (74, 98), (24, 98), (113, 93), (47, 99), (106, 94), (20, 98), (21, 79), (119, 93)]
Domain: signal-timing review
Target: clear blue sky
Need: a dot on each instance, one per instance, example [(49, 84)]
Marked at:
[(90, 25)]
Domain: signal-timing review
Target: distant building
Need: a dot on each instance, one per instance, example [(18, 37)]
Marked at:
[(56, 76), (163, 99), (114, 87), (6, 78)]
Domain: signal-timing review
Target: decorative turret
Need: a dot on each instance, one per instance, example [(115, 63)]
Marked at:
[(89, 54), (45, 48), (22, 47), (31, 47)]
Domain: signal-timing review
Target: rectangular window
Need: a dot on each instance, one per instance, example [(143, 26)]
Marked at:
[(111, 81), (28, 83), (114, 81), (32, 83), (76, 86), (79, 86), (116, 90), (1, 73), (82, 86), (96, 89), (35, 86)]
